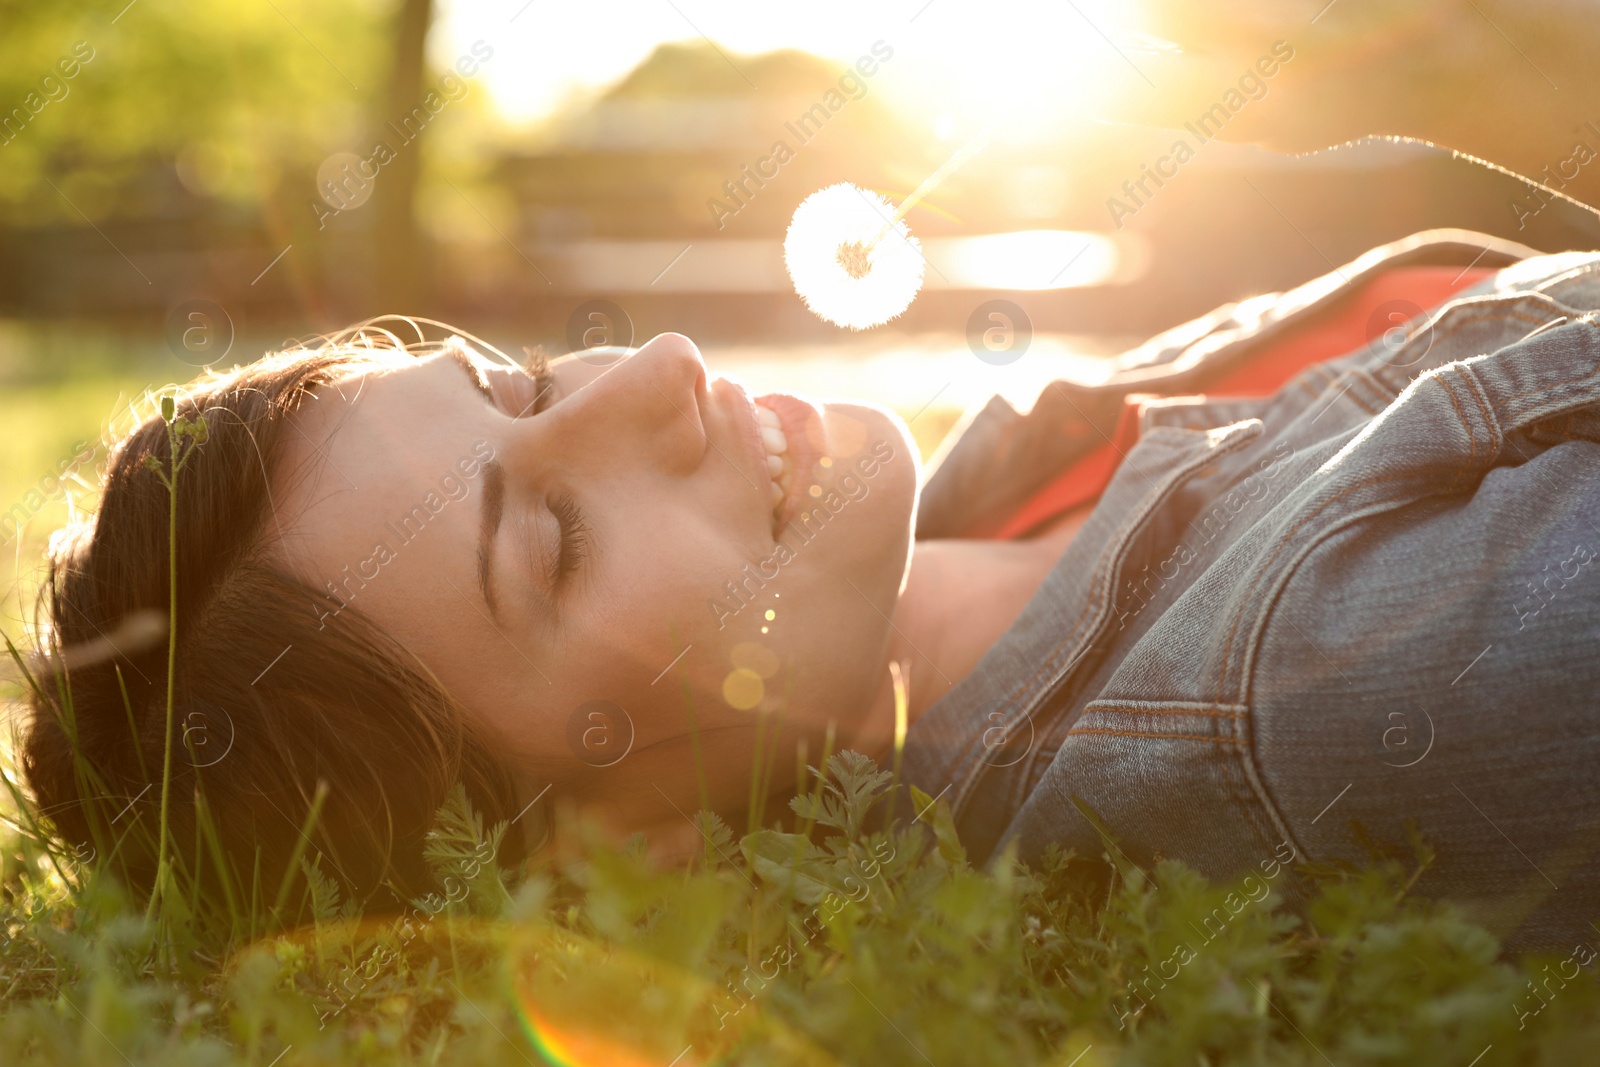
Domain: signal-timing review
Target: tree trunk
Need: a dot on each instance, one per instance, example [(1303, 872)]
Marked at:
[(399, 268)]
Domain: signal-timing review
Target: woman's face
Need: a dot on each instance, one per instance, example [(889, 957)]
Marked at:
[(601, 572)]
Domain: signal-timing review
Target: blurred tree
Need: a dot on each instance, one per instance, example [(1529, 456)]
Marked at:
[(232, 96), (174, 111), (398, 237)]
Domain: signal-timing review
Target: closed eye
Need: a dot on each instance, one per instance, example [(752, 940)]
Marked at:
[(575, 539)]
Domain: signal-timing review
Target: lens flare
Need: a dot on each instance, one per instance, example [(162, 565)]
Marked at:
[(577, 1048)]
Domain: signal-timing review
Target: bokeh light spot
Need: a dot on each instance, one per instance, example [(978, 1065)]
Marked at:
[(743, 688)]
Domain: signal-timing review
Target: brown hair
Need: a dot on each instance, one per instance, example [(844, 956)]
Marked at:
[(293, 702)]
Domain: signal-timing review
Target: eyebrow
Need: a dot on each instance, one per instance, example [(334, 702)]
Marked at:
[(494, 494), (494, 487), (474, 373)]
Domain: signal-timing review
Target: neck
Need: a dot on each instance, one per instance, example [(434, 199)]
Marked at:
[(959, 597)]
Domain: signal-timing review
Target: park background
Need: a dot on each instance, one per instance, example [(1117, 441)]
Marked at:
[(181, 185), (206, 184)]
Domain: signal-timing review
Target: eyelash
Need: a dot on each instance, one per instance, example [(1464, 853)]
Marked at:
[(537, 367), (574, 532), (574, 537)]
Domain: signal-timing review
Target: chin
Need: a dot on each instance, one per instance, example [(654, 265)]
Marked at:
[(854, 427), (865, 438)]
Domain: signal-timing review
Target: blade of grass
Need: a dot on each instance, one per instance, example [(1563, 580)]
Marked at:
[(299, 848), (177, 431), (822, 780), (694, 736), (771, 764), (199, 871), (225, 874), (16, 657), (802, 752), (752, 812), (35, 831), (255, 895), (172, 657), (86, 777), (133, 729)]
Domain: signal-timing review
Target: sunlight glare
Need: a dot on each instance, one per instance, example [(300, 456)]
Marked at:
[(1025, 259), (953, 66)]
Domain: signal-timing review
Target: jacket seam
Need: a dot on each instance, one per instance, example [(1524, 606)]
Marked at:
[(962, 766), (1106, 563), (1272, 600), (1485, 410), (1260, 572), (1095, 706), (1472, 438), (1075, 732)]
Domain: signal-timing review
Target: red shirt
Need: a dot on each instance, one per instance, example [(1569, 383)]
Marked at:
[(1324, 337)]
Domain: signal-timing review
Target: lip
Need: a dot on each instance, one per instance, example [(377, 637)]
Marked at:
[(750, 435), (795, 417), (802, 425)]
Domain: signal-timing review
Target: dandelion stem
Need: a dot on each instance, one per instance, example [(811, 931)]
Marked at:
[(932, 182), (172, 664), (179, 431)]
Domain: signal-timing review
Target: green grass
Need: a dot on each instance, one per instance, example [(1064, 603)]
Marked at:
[(851, 944)]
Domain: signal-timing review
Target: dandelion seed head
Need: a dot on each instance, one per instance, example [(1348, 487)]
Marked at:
[(854, 259), (841, 267)]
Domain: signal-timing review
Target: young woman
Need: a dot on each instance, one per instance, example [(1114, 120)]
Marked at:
[(619, 584), (597, 580), (1353, 583)]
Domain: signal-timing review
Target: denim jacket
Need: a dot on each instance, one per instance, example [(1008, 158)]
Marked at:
[(1367, 601)]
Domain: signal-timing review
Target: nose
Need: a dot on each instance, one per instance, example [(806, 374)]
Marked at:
[(646, 407)]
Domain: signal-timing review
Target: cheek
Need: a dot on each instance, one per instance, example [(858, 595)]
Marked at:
[(659, 587), (675, 604)]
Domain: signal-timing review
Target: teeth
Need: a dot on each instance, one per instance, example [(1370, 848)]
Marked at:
[(780, 468)]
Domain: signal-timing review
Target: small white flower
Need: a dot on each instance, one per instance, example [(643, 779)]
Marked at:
[(848, 263)]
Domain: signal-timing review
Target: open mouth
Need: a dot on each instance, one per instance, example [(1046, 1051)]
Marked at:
[(789, 428), (780, 465)]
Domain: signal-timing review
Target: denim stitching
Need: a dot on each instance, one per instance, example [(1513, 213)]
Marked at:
[(1461, 314), (1472, 438), (1075, 732), (1162, 708), (1486, 410)]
